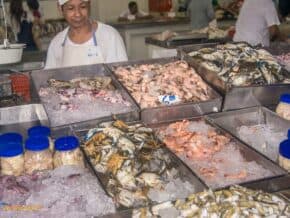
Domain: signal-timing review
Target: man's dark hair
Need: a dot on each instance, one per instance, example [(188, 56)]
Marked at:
[(132, 4), (33, 4)]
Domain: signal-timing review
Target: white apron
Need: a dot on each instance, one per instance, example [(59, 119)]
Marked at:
[(81, 55)]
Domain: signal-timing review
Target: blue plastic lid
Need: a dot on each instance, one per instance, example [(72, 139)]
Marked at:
[(39, 131), (37, 143), (284, 149), (66, 143), (285, 98), (288, 133), (11, 150), (10, 137)]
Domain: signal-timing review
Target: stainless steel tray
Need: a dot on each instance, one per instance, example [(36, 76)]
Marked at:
[(182, 41), (237, 97), (40, 79), (172, 112), (246, 152), (183, 172), (20, 118), (231, 121), (254, 116)]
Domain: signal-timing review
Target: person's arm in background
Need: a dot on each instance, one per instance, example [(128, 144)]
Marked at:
[(123, 16), (272, 20), (143, 15), (275, 34)]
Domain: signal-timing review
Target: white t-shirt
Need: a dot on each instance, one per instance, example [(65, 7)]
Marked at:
[(126, 13), (109, 40), (256, 16)]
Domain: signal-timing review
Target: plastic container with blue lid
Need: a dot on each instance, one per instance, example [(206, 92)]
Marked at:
[(283, 108), (37, 156), (38, 131), (67, 152), (12, 159), (284, 154), (10, 138)]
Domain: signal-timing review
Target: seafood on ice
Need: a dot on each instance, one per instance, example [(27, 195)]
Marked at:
[(206, 151), (147, 82), (236, 201), (82, 99), (284, 60), (67, 191), (265, 138), (134, 166), (241, 65), (86, 89)]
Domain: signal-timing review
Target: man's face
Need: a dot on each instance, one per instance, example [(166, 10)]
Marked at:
[(134, 9), (76, 12)]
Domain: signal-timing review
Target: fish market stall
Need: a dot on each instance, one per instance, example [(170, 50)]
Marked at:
[(33, 183), (165, 44), (234, 202), (67, 191), (79, 94), (166, 89), (183, 158), (258, 127), (134, 167), (246, 76), (205, 149)]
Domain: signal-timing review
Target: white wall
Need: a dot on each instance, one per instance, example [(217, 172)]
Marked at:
[(108, 10)]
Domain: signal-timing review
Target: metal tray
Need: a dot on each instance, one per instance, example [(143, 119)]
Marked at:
[(232, 120), (246, 152), (40, 78), (172, 112), (20, 118), (240, 96), (182, 41), (183, 172)]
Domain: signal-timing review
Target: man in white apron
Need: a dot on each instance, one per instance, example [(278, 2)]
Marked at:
[(84, 42)]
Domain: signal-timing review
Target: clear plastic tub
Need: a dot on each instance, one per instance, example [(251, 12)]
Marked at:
[(11, 154), (37, 156), (12, 160), (283, 108), (284, 155), (67, 152), (44, 131)]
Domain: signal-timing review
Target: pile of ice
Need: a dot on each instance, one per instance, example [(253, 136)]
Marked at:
[(263, 138), (174, 189), (67, 191)]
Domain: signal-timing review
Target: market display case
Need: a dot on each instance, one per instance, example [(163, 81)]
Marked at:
[(177, 110), (60, 113), (147, 145), (237, 96)]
